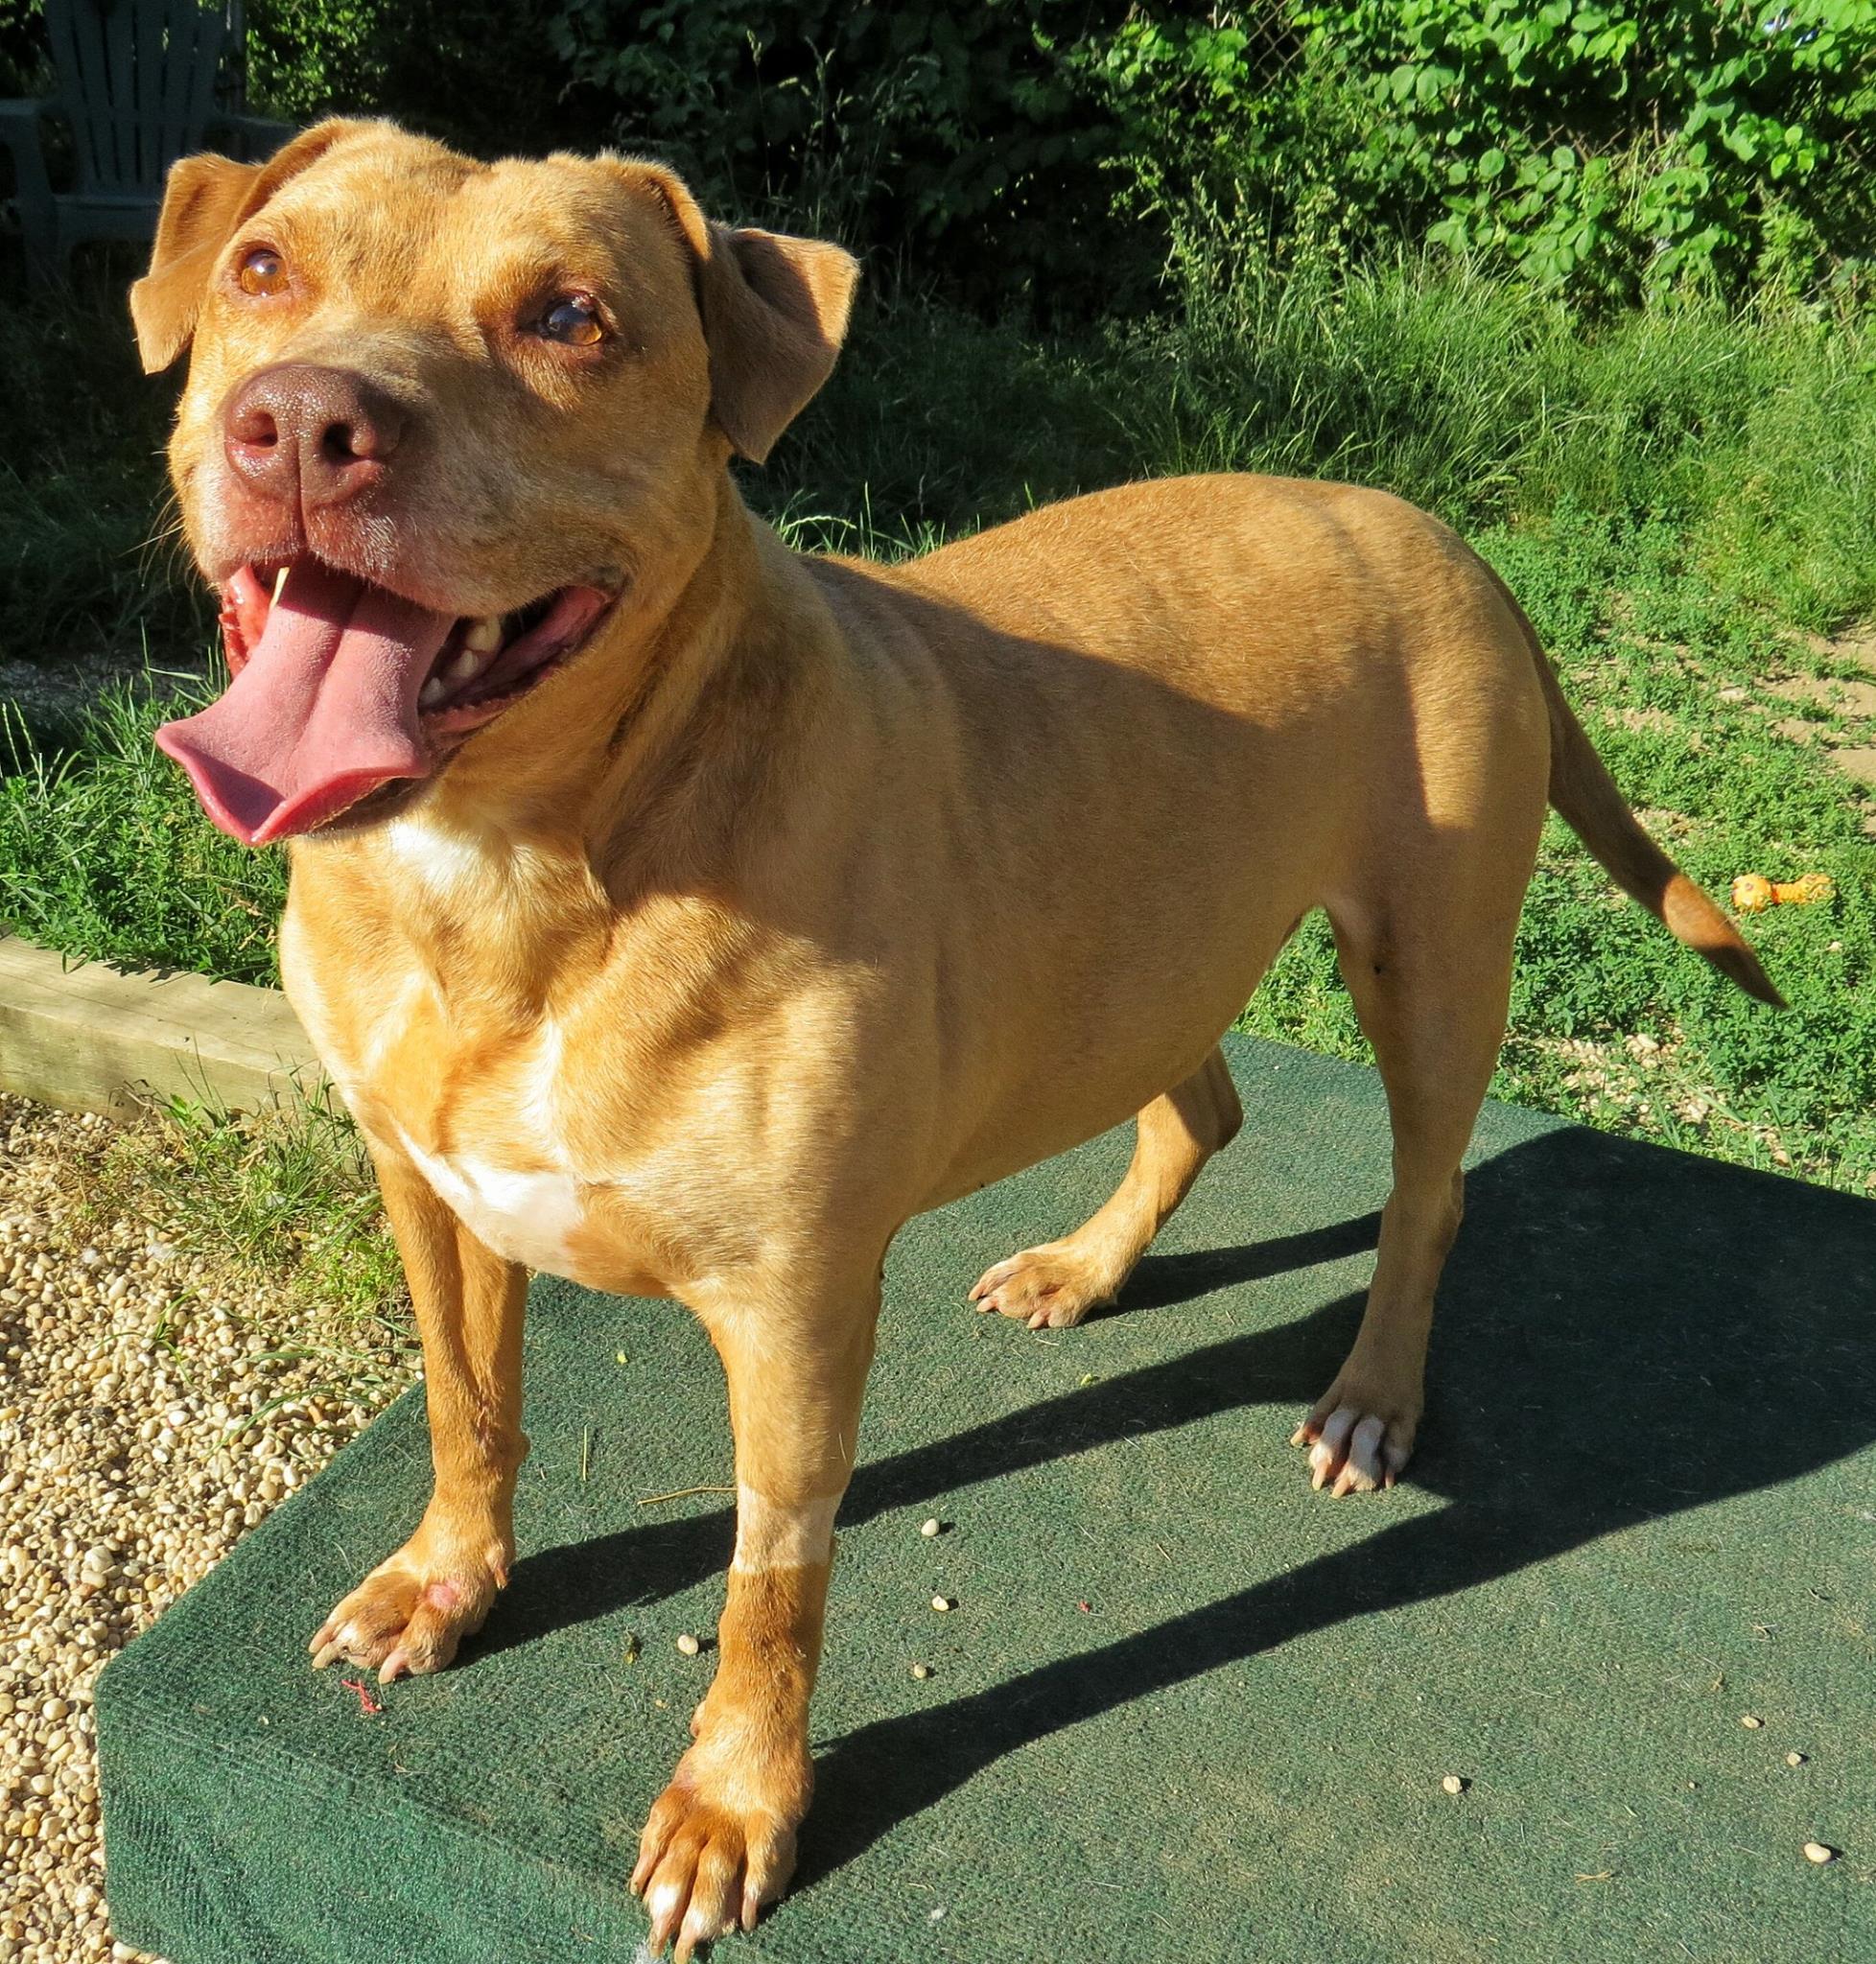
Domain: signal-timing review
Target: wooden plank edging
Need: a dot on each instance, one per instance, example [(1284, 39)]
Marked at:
[(87, 1037)]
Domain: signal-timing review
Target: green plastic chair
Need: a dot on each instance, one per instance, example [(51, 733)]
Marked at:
[(137, 89)]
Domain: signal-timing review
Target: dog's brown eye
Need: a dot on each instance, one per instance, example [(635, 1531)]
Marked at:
[(575, 319), (262, 272)]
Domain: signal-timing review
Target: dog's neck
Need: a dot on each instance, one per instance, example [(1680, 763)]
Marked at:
[(645, 778), (721, 687)]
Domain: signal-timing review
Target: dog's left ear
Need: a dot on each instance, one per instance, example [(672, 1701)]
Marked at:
[(204, 199), (774, 315)]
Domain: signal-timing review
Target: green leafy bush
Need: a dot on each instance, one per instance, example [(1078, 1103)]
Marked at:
[(480, 73), (1057, 153), (1243, 143), (960, 137), (1603, 145), (1596, 147)]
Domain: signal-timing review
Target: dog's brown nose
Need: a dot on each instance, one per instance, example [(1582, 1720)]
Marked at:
[(312, 435)]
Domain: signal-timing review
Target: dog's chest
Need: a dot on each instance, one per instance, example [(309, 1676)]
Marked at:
[(483, 1123), (526, 1213), (490, 1121), (583, 1130)]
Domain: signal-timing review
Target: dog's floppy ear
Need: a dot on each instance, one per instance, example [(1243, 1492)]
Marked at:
[(204, 199), (774, 315)]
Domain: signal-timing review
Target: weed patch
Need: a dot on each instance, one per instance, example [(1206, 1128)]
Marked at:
[(284, 1201)]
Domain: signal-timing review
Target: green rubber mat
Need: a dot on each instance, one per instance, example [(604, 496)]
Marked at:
[(1184, 1709)]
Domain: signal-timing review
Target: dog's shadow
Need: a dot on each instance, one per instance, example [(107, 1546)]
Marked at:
[(578, 1581), (1624, 1332)]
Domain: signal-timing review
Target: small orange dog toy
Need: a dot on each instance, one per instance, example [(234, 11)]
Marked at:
[(1753, 892)]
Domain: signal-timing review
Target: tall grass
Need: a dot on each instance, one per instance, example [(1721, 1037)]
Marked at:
[(1754, 433), (89, 555), (104, 853)]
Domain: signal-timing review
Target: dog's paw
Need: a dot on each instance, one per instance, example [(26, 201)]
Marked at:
[(1360, 1435), (1048, 1288), (410, 1613), (713, 1857)]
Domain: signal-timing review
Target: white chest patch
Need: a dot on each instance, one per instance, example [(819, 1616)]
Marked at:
[(523, 1217)]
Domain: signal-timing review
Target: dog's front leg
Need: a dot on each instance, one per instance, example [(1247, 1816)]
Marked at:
[(412, 1611), (720, 1840)]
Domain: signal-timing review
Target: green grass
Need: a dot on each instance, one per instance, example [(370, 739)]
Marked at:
[(105, 853), (1683, 498), (282, 1199), (1611, 1021)]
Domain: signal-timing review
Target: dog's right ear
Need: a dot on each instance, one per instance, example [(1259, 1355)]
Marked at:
[(204, 199)]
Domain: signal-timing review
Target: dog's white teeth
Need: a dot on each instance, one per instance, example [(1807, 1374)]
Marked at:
[(484, 634), (464, 666), (279, 581)]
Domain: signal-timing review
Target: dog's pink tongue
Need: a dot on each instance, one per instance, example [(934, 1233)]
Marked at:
[(324, 711)]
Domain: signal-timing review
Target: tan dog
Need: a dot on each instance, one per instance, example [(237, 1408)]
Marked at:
[(681, 915)]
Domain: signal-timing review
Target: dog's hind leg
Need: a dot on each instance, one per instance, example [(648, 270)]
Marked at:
[(1057, 1285), (1432, 985)]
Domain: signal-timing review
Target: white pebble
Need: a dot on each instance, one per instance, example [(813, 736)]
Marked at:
[(688, 1645), (1751, 1723), (921, 1671), (1819, 1853), (944, 1602), (929, 1528), (1453, 1783)]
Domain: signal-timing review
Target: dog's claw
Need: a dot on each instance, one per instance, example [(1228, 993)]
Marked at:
[(1357, 1445), (1052, 1287), (666, 1903), (406, 1618)]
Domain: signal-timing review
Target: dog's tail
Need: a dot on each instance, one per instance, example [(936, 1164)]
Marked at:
[(1587, 799)]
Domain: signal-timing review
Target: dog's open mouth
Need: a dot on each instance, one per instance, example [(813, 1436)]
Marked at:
[(340, 687)]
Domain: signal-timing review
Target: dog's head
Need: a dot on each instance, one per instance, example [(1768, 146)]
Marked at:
[(443, 420)]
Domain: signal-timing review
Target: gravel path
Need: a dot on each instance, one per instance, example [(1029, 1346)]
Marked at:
[(143, 1425)]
